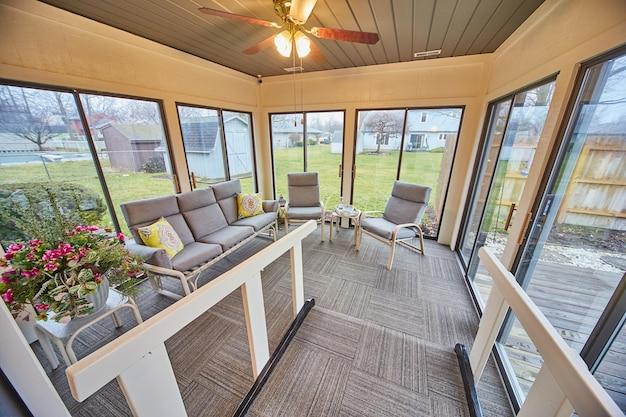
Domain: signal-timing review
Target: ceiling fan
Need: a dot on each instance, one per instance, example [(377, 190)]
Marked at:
[(294, 14)]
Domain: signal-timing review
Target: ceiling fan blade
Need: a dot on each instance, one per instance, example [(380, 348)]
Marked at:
[(258, 47), (345, 35), (247, 19), (316, 54), (300, 10)]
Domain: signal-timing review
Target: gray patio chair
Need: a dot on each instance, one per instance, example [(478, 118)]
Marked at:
[(304, 199), (400, 221)]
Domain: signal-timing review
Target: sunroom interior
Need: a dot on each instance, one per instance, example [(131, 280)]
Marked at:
[(504, 122)]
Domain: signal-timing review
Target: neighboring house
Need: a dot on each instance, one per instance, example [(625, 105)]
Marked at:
[(130, 146), (290, 136), (426, 131), (203, 147)]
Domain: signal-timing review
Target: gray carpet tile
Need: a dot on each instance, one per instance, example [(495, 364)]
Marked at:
[(378, 343)]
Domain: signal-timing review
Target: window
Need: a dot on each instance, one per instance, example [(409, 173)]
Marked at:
[(131, 146), (322, 151), (423, 156), (121, 155), (218, 146)]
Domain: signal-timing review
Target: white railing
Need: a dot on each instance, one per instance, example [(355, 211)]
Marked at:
[(138, 359), (564, 382)]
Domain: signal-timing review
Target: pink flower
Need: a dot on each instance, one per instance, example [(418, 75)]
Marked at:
[(15, 247), (8, 296), (8, 256), (30, 256), (97, 277), (50, 267), (41, 307), (121, 237), (64, 249), (33, 243), (7, 276), (30, 273)]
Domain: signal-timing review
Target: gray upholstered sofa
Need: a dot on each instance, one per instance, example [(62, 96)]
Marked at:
[(206, 222)]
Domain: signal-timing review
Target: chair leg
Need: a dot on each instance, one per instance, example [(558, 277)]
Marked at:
[(286, 225), (392, 252), (422, 241), (357, 238), (322, 230)]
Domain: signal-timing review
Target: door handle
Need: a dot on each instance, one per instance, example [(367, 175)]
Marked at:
[(194, 184), (339, 170), (509, 217)]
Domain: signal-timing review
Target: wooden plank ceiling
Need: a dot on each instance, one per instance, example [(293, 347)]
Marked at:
[(458, 27)]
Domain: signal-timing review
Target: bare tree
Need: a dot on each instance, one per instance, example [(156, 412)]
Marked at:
[(384, 124)]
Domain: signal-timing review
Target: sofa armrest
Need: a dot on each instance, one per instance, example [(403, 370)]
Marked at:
[(152, 256), (270, 206)]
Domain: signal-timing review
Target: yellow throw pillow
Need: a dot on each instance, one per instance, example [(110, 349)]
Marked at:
[(161, 235), (249, 205)]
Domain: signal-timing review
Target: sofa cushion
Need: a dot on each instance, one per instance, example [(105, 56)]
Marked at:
[(258, 222), (229, 236), (195, 199), (249, 205), (384, 228), (226, 195), (145, 212), (195, 254), (205, 220), (304, 213)]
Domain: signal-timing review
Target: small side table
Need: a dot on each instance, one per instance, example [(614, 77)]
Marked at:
[(338, 214), (63, 335)]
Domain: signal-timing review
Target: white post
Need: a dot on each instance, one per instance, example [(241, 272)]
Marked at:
[(23, 370), (297, 278), (150, 386), (545, 398), (488, 329), (254, 312)]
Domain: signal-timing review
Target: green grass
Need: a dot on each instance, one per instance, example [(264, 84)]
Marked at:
[(375, 176), (374, 179)]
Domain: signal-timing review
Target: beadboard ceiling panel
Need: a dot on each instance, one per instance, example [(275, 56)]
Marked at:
[(457, 27)]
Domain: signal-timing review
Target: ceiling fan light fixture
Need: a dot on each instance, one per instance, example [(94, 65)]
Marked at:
[(283, 43), (303, 44)]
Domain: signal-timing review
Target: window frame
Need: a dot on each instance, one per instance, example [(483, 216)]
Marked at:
[(76, 92), (220, 115), (461, 107), (304, 142)]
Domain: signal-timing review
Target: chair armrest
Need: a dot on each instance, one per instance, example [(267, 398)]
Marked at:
[(153, 256), (270, 206), (396, 229), (365, 214)]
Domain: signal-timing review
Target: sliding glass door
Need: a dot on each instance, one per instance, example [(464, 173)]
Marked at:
[(574, 259), (512, 136), (412, 145), (321, 152), (219, 146)]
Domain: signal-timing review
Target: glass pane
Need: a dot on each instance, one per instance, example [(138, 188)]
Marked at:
[(324, 133), (491, 148), (377, 151), (515, 157), (238, 135), (131, 146), (611, 372), (42, 143), (287, 134), (575, 258), (429, 143), (200, 128)]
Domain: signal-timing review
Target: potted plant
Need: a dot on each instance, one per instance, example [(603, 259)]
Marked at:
[(68, 274)]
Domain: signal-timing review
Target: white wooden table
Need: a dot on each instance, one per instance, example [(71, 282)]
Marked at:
[(337, 214), (62, 335)]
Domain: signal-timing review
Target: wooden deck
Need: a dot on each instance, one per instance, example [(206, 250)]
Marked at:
[(572, 299)]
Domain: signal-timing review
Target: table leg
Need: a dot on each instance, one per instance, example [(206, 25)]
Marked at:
[(330, 234), (64, 353), (44, 341)]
